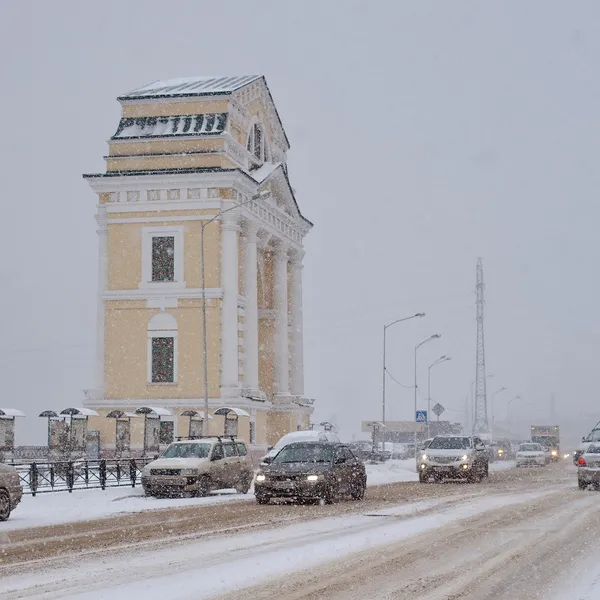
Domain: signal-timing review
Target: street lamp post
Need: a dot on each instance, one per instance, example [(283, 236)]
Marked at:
[(385, 328), (502, 389), (439, 361), (435, 336), (203, 225)]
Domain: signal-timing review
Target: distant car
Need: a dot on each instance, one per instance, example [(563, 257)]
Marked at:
[(403, 451), (588, 467), (196, 467), (531, 455), (548, 454), (454, 456), (312, 471), (361, 450), (298, 436), (503, 449), (11, 491)]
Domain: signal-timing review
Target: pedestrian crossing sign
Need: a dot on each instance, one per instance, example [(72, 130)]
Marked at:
[(421, 416)]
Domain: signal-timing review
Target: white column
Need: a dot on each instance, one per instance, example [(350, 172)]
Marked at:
[(102, 284), (251, 309), (297, 329), (229, 306), (282, 365)]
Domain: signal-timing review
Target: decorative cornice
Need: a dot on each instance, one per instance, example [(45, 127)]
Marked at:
[(175, 292)]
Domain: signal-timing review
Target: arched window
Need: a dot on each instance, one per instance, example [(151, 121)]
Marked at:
[(162, 348), (257, 143)]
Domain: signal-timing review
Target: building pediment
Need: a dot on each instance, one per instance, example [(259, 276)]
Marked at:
[(275, 176)]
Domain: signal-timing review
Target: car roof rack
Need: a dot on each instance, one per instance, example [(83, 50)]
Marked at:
[(206, 437)]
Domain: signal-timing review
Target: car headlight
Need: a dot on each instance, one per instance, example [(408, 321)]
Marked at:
[(465, 457), (500, 451), (314, 477), (554, 453), (424, 457), (260, 477), (188, 472)]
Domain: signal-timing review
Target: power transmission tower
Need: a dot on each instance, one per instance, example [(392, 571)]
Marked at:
[(480, 420)]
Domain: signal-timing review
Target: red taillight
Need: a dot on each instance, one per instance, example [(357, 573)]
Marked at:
[(581, 461)]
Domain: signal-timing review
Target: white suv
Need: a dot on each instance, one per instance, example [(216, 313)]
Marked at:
[(196, 467), (454, 456)]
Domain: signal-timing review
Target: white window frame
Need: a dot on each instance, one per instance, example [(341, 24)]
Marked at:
[(163, 334), (148, 233)]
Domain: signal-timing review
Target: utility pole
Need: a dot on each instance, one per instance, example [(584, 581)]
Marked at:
[(480, 418)]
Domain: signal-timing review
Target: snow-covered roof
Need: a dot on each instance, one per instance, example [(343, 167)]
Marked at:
[(86, 412), (195, 414), (264, 171), (11, 412), (136, 127), (154, 410), (224, 410), (191, 86), (119, 414)]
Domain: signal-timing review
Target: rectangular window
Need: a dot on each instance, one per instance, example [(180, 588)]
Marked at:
[(252, 432), (163, 258), (167, 432), (257, 142), (163, 360), (230, 450)]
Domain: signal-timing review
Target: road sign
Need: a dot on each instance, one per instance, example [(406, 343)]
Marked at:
[(421, 416), (438, 409)]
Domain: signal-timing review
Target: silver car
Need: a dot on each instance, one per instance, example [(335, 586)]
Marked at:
[(454, 456), (588, 468), (10, 491)]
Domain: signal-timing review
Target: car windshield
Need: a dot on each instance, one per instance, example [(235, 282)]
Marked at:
[(450, 443), (530, 448), (594, 436), (187, 451), (305, 453)]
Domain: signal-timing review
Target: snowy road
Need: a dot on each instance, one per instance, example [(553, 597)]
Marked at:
[(519, 535)]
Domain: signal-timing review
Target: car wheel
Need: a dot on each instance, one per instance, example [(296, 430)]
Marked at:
[(243, 486), (423, 477), (582, 484), (263, 499), (4, 505), (359, 492), (328, 496), (203, 487)]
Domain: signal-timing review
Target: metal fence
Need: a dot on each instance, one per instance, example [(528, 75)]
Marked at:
[(66, 476)]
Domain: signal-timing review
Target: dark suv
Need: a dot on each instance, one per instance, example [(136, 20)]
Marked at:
[(312, 471)]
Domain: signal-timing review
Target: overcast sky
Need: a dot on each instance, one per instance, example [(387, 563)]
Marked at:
[(424, 134)]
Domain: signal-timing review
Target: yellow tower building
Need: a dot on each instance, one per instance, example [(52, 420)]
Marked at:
[(191, 155)]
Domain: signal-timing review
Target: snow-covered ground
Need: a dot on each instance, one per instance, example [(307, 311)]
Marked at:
[(61, 507), (207, 567), (583, 582)]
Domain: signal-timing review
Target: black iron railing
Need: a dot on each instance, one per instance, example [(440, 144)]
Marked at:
[(65, 476)]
